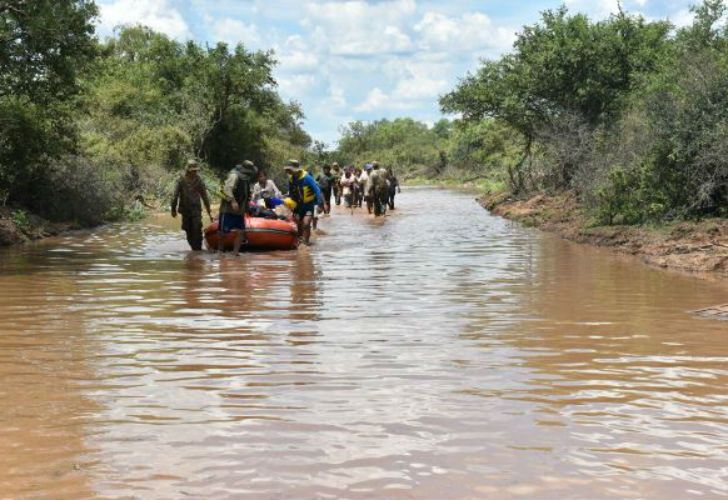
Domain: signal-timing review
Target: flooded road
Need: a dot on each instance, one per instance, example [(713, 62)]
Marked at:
[(440, 352)]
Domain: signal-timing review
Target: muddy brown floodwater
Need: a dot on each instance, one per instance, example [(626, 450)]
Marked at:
[(438, 353)]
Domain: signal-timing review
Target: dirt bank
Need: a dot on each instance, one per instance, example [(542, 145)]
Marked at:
[(19, 226), (695, 247)]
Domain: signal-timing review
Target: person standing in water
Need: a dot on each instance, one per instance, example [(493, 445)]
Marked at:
[(348, 186), (365, 187), (302, 188), (357, 188), (189, 191), (336, 172), (393, 187), (378, 189), (236, 197), (326, 182)]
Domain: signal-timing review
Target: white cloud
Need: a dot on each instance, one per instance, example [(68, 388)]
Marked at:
[(160, 16), (294, 86), (471, 31), (360, 28), (602, 9), (598, 9), (369, 59), (682, 18), (376, 99), (419, 88), (296, 55), (336, 96), (233, 31)]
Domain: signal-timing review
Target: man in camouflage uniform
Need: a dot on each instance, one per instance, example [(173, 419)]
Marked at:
[(337, 173), (234, 205), (188, 193), (378, 189)]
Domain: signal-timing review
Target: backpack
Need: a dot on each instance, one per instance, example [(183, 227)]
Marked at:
[(245, 174)]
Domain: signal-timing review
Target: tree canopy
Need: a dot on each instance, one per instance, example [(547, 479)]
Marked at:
[(629, 113), (123, 114)]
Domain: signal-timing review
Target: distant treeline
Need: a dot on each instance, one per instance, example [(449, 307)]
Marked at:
[(454, 150), (630, 115), (87, 127)]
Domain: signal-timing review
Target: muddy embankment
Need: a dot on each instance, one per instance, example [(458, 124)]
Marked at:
[(693, 247), (19, 226)]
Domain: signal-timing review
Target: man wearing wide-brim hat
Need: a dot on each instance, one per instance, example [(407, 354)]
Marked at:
[(189, 191), (302, 188), (234, 205)]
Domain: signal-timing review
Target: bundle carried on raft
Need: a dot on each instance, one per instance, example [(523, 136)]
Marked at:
[(261, 233)]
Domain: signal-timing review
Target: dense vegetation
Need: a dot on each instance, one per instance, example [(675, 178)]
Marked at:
[(447, 151), (631, 115), (88, 127)]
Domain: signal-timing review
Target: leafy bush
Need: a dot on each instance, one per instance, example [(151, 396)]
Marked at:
[(630, 114), (93, 149)]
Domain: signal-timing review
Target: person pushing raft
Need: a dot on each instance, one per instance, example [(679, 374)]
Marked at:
[(188, 192), (234, 204), (302, 188)]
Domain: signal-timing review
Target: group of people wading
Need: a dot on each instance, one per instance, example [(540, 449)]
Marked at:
[(248, 191), (371, 184)]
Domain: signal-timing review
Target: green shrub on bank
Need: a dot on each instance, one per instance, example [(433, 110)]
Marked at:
[(96, 147), (631, 115), (454, 151)]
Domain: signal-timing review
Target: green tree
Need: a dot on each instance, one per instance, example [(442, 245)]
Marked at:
[(44, 46), (563, 68)]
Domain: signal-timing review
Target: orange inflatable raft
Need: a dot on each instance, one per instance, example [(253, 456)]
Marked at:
[(262, 234)]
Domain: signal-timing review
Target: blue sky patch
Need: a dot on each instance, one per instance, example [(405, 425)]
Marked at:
[(364, 60)]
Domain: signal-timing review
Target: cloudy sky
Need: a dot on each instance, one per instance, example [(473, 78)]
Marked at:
[(355, 59)]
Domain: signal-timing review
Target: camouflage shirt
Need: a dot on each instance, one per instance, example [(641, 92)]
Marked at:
[(187, 194)]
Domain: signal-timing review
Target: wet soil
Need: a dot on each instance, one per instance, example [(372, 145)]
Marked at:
[(18, 226), (693, 247)]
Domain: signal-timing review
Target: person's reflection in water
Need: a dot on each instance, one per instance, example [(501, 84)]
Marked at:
[(240, 297), (225, 285), (193, 283), (305, 302)]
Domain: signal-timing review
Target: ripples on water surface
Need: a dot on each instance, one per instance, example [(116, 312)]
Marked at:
[(440, 352)]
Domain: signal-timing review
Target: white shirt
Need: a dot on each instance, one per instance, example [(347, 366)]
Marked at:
[(269, 191), (346, 183)]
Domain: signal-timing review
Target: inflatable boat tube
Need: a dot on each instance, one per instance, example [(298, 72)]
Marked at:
[(262, 234)]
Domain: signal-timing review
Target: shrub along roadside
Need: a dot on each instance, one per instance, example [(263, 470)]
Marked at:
[(629, 115), (94, 130)]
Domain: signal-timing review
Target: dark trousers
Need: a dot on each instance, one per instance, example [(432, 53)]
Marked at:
[(337, 194), (380, 198), (192, 226), (326, 193)]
